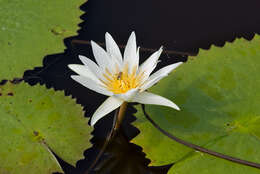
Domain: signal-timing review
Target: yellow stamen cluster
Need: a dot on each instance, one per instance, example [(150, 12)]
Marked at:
[(121, 82)]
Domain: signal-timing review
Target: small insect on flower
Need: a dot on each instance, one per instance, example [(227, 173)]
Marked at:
[(121, 77)]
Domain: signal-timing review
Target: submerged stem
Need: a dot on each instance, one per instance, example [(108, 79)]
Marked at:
[(118, 118)]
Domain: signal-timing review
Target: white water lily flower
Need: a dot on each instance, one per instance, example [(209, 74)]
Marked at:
[(121, 78)]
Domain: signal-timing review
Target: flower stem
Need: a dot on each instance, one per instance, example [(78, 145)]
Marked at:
[(120, 116)]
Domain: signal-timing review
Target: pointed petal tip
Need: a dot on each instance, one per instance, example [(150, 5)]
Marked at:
[(159, 52), (93, 44), (177, 108), (74, 76), (133, 36), (107, 34), (73, 67), (69, 66), (92, 122), (177, 64), (81, 56), (174, 106)]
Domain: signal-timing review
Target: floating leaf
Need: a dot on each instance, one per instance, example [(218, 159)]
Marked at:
[(218, 93), (33, 121), (31, 29)]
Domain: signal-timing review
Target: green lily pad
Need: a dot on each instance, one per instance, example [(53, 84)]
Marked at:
[(33, 121), (218, 93), (30, 30)]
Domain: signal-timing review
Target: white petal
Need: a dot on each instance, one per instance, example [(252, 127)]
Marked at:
[(101, 56), (153, 99), (130, 56), (106, 107), (112, 48), (92, 85), (84, 71), (158, 75), (128, 95), (148, 66), (137, 57), (92, 66)]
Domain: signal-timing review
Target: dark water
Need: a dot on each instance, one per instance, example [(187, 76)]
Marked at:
[(183, 26)]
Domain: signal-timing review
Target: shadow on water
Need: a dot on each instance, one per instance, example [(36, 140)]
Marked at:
[(181, 26)]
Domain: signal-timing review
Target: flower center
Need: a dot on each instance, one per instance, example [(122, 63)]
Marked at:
[(122, 81)]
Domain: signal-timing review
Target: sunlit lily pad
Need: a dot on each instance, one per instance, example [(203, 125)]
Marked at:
[(30, 30), (218, 93), (33, 121)]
